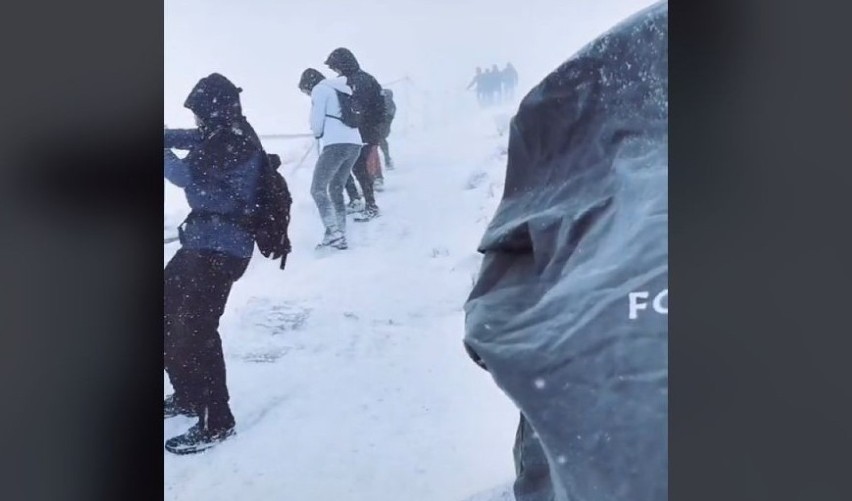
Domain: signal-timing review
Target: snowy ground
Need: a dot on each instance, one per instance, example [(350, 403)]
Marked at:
[(347, 374)]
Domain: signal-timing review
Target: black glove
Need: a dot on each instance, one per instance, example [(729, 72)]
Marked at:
[(282, 251), (274, 160)]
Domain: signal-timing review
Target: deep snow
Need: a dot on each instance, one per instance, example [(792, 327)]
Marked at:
[(347, 374)]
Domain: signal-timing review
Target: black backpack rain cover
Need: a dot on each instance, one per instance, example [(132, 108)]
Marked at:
[(569, 312)]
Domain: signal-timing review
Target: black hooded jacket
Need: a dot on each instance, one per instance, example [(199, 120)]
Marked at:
[(365, 89)]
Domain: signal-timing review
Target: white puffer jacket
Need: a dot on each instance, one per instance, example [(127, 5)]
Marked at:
[(324, 102)]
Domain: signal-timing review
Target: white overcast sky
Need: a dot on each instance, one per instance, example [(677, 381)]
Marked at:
[(263, 45)]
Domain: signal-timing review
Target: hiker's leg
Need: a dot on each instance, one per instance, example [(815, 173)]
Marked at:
[(327, 165), (197, 344), (351, 189), (349, 153), (364, 179), (386, 152), (176, 278)]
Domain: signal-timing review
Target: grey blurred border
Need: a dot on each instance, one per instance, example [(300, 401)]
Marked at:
[(759, 383), (81, 195)]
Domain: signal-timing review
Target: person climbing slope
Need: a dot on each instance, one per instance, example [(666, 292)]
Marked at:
[(390, 112), (341, 145), (479, 84), (220, 177), (510, 81), (367, 97)]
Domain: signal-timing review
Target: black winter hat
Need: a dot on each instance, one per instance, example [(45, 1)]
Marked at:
[(214, 96), (342, 59), (310, 77)]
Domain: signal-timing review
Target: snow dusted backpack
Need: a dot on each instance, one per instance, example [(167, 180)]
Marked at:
[(271, 217), (351, 110)]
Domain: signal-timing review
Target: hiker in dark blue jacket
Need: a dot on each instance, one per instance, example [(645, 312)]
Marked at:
[(220, 178)]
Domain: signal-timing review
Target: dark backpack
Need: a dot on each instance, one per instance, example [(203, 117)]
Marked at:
[(271, 217), (351, 110), (390, 107)]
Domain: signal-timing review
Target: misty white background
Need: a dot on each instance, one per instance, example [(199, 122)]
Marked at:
[(264, 45)]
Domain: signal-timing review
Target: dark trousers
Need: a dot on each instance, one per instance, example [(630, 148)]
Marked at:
[(386, 152), (533, 481), (196, 287), (351, 189), (364, 179)]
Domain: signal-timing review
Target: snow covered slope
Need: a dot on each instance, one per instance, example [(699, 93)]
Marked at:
[(347, 374)]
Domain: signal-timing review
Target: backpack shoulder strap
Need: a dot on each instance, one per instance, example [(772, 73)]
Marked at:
[(340, 99)]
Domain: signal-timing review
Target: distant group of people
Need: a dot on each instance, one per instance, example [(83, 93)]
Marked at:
[(494, 86), (239, 200)]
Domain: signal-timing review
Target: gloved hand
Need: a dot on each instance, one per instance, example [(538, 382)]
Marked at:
[(274, 160), (282, 251), (181, 139)]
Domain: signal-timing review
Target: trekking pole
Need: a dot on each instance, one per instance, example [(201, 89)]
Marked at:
[(305, 156)]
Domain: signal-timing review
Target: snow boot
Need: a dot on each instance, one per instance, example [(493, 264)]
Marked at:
[(335, 239), (205, 434), (369, 214), (198, 439), (172, 407), (356, 205)]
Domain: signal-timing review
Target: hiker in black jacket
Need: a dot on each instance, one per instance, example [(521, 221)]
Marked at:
[(367, 92)]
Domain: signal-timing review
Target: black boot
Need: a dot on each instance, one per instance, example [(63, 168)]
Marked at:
[(173, 407), (203, 435)]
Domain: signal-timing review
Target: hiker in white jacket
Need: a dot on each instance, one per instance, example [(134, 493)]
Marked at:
[(341, 146)]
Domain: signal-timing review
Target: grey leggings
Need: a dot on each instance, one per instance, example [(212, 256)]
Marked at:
[(330, 174)]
